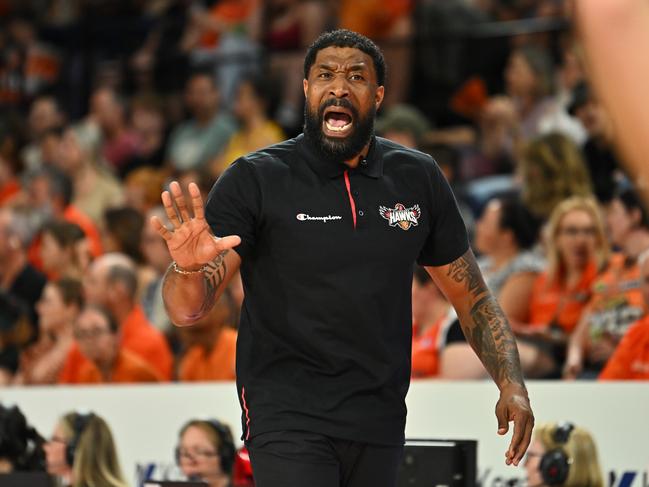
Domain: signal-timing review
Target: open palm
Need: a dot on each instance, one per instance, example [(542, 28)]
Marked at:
[(191, 242)]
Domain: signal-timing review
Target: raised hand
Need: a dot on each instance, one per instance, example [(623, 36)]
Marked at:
[(190, 242)]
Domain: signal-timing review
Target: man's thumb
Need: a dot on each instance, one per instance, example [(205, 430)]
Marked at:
[(503, 423)]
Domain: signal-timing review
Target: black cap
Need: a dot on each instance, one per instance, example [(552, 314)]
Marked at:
[(580, 96)]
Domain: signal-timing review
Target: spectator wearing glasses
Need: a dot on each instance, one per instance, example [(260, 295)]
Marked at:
[(206, 452), (97, 334)]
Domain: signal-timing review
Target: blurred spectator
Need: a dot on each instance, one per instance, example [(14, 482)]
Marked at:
[(44, 114), (148, 122), (242, 470), (437, 350), (390, 24), (630, 360), (142, 188), (81, 452), (17, 276), (58, 309), (119, 141), (16, 331), (552, 170), (256, 130), (616, 297), (563, 454), (10, 168), (288, 28), (122, 233), (222, 36), (21, 447), (577, 250), (206, 452), (156, 254), (210, 344), (599, 151), (197, 141), (64, 250), (111, 282), (95, 188), (49, 195), (505, 235), (403, 124), (96, 333)]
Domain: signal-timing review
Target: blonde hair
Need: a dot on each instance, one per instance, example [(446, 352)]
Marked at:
[(576, 203), (585, 470), (553, 169), (95, 458)]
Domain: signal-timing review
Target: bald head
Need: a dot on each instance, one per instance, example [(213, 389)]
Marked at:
[(111, 281)]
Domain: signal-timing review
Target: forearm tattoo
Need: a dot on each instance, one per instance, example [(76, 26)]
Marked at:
[(492, 338), (465, 270), (214, 274), (487, 329)]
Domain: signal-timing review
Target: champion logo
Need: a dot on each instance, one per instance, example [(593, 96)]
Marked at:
[(401, 216), (324, 219)]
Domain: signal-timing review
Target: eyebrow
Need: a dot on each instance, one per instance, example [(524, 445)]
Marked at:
[(354, 67)]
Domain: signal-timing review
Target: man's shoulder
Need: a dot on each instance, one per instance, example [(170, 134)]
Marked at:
[(394, 153), (274, 155)]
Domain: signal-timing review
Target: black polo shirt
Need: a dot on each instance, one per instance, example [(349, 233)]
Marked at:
[(327, 256)]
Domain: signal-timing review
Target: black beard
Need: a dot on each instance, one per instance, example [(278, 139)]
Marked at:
[(338, 149)]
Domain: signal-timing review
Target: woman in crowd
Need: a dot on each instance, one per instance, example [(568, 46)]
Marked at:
[(64, 250), (82, 453), (206, 452), (577, 250), (563, 454), (57, 310), (505, 235)]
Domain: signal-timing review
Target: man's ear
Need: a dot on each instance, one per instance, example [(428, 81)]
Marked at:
[(378, 97), (305, 86)]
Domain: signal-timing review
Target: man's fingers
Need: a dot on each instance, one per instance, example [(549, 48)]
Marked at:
[(160, 228), (170, 210), (197, 201), (503, 420), (517, 436), (228, 242), (525, 442), (179, 199)]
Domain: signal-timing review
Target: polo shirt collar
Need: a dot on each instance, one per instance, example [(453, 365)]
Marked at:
[(371, 166)]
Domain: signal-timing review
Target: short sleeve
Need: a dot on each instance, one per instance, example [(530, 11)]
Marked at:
[(448, 239), (234, 204)]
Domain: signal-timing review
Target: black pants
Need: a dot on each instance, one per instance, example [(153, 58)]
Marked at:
[(303, 459)]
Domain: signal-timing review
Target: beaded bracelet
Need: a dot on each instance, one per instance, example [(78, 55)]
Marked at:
[(183, 272)]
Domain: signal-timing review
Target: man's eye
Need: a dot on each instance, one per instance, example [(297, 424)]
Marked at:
[(356, 77), (324, 75)]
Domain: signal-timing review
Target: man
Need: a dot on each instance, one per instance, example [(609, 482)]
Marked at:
[(196, 142), (97, 335), (111, 283), (326, 228)]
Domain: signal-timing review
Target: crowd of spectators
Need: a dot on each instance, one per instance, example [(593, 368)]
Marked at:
[(103, 103)]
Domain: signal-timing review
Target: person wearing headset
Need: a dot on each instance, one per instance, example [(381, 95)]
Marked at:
[(206, 452), (81, 452), (21, 447), (563, 454)]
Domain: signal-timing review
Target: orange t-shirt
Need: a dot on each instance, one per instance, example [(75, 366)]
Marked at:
[(199, 364), (139, 337), (427, 346), (552, 302), (372, 18), (128, 368), (8, 191), (616, 299), (631, 357), (230, 12)]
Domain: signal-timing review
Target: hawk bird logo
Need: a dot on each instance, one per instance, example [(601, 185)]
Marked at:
[(401, 216)]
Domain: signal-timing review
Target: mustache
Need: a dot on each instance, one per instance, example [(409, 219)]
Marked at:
[(337, 102)]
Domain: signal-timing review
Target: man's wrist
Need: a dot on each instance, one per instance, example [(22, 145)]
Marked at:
[(187, 271)]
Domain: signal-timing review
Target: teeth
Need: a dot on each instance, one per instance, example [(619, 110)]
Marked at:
[(337, 129)]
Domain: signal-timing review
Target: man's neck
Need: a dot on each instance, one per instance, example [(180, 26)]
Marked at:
[(636, 243), (355, 161)]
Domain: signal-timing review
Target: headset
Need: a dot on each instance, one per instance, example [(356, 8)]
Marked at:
[(79, 425), (226, 450), (555, 463)]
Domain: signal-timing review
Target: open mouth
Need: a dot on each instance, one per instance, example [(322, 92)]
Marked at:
[(337, 121)]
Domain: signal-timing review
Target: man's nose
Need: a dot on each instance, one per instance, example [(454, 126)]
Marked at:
[(339, 87)]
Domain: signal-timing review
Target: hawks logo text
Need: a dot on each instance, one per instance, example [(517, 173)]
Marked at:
[(400, 215)]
